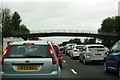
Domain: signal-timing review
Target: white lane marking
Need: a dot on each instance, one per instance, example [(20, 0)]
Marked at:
[(64, 61), (73, 71)]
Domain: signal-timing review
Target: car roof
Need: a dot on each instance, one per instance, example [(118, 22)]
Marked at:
[(35, 42), (88, 45)]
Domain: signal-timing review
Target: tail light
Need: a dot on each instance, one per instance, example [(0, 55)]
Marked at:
[(60, 60), (52, 54), (4, 53), (6, 49)]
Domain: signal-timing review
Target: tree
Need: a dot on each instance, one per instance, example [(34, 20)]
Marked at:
[(6, 20), (15, 21), (76, 40), (89, 41), (11, 24), (110, 25), (23, 29), (117, 24)]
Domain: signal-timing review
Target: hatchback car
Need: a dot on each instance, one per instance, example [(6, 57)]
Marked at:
[(74, 53), (58, 54), (112, 59), (93, 52), (69, 48), (30, 59)]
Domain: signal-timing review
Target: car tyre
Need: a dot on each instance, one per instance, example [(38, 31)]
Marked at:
[(105, 68)]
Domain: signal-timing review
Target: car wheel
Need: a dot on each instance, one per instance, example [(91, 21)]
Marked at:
[(84, 61), (105, 68)]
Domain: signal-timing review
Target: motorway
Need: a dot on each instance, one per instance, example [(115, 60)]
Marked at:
[(76, 69)]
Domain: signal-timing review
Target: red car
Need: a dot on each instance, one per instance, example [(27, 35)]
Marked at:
[(59, 54)]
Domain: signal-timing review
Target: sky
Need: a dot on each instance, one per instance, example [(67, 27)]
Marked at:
[(80, 15)]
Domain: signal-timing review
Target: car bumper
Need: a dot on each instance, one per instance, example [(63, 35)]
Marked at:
[(54, 74), (94, 59), (75, 54)]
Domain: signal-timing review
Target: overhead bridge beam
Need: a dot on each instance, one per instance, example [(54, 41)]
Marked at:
[(50, 34)]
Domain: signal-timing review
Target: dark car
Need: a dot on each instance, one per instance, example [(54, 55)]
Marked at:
[(112, 59), (58, 53)]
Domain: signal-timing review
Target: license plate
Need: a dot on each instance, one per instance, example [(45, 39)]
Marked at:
[(27, 67)]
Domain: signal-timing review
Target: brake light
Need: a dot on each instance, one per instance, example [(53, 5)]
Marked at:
[(52, 54), (6, 49), (51, 49), (4, 53), (28, 43)]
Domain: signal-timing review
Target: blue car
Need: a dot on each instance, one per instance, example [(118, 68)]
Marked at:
[(112, 59)]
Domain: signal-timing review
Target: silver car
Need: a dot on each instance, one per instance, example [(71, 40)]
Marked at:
[(93, 52), (30, 59)]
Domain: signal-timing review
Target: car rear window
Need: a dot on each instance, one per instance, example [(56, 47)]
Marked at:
[(79, 47), (34, 51), (96, 48)]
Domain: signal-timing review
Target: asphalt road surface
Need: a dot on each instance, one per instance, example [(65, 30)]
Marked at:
[(76, 69)]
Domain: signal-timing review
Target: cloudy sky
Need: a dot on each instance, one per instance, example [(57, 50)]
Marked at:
[(63, 14)]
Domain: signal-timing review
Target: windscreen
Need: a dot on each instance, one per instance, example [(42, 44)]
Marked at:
[(28, 51), (96, 48)]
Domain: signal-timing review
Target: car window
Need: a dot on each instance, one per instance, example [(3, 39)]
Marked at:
[(79, 47), (96, 48), (25, 51), (115, 48)]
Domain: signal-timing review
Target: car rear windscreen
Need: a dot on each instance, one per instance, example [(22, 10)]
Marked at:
[(96, 48), (79, 47), (32, 51)]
